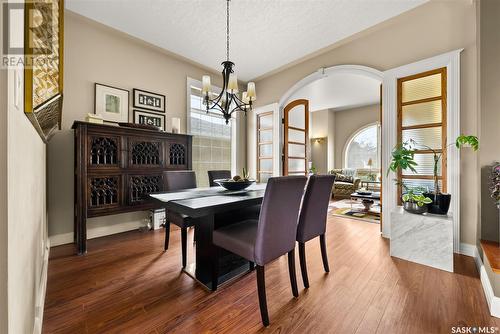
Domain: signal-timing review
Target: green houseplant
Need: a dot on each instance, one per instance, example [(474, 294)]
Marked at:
[(414, 201), (440, 201), (403, 159)]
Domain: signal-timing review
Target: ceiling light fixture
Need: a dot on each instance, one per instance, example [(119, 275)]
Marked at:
[(228, 100)]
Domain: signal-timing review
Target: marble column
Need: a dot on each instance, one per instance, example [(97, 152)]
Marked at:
[(426, 239)]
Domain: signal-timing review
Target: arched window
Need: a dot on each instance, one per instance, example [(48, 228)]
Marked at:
[(363, 146)]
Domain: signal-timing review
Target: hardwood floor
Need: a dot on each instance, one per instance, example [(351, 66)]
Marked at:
[(127, 284)]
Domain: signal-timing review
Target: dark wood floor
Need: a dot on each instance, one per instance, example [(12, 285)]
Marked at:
[(127, 284)]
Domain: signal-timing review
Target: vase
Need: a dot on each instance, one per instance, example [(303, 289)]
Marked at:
[(414, 208), (439, 205)]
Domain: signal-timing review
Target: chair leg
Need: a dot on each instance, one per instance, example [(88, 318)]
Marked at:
[(184, 246), (261, 287), (167, 234), (251, 265), (215, 269), (303, 266), (291, 271), (323, 252)]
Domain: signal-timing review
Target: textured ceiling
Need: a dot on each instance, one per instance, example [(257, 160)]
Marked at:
[(265, 34), (339, 91)]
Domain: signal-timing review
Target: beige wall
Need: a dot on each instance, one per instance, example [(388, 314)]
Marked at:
[(337, 127), (490, 111), (95, 53), (3, 200), (347, 122), (318, 128), (431, 29), (27, 251)]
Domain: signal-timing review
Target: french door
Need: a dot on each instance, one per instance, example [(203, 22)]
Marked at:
[(296, 133)]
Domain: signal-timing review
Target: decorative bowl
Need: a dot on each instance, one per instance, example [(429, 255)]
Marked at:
[(414, 208), (366, 192), (230, 184)]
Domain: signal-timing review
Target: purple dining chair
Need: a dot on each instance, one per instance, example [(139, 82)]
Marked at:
[(217, 174), (312, 218), (179, 180), (266, 239)]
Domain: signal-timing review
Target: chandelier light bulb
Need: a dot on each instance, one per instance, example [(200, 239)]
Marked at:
[(232, 85), (206, 86), (251, 91)]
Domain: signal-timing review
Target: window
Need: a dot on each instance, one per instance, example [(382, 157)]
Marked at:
[(363, 147), (211, 136), (264, 146), (422, 118)]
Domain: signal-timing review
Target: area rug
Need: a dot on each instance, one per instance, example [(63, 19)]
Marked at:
[(352, 209)]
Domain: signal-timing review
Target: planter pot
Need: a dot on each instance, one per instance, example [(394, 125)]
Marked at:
[(414, 208), (439, 205)]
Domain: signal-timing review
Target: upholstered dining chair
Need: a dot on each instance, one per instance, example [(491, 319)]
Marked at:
[(312, 219), (179, 180), (217, 174), (271, 236)]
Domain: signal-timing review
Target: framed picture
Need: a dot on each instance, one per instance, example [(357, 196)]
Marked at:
[(149, 101), (144, 117), (111, 103), (43, 79)]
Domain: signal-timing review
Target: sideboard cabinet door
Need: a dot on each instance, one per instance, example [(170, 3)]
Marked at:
[(178, 155), (145, 152)]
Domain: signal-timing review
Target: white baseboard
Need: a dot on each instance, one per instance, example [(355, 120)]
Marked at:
[(468, 249), (492, 300), (61, 239), (40, 298), (96, 232)]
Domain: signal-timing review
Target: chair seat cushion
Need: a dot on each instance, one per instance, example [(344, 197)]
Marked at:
[(238, 238), (179, 219)]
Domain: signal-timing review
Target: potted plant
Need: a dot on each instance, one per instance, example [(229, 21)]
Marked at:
[(440, 201), (414, 201), (495, 184), (403, 158)]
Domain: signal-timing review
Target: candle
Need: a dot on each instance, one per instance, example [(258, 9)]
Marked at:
[(232, 85), (176, 124), (245, 98), (251, 91), (205, 84)]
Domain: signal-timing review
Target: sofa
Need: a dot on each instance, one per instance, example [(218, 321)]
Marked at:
[(345, 183)]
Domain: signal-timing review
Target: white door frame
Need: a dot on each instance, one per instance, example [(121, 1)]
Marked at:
[(450, 60)]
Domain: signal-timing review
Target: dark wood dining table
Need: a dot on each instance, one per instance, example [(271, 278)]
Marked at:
[(211, 208)]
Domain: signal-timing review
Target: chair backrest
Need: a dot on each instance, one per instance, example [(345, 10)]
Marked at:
[(278, 217), (178, 180), (312, 217), (217, 174)]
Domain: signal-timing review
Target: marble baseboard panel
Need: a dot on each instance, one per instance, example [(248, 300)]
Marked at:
[(424, 239)]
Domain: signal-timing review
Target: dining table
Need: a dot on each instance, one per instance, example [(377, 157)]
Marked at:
[(211, 208)]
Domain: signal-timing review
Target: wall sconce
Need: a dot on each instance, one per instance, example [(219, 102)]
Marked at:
[(319, 140)]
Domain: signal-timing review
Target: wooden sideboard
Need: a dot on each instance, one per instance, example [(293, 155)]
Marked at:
[(117, 167)]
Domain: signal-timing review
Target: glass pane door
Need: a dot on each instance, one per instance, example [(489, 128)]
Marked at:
[(264, 146), (296, 126)]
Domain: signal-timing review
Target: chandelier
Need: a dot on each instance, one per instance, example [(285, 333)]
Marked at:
[(228, 101)]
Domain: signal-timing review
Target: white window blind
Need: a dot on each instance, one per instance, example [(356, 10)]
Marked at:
[(211, 137)]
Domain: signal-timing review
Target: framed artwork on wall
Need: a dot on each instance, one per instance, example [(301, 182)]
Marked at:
[(43, 78), (111, 103), (148, 100), (147, 118)]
